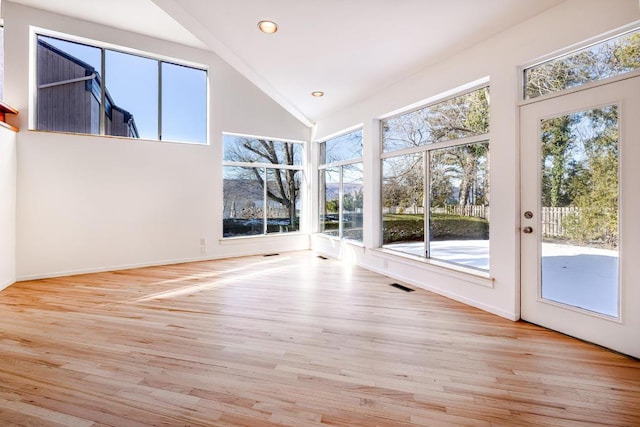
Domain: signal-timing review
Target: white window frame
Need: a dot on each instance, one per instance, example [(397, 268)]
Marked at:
[(331, 165)]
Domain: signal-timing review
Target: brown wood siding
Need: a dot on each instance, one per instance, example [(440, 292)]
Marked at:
[(95, 114), (118, 125), (54, 68), (72, 107), (66, 107)]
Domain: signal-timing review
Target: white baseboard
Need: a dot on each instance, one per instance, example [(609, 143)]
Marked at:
[(445, 293), (136, 265), (6, 284), (110, 268), (440, 291)]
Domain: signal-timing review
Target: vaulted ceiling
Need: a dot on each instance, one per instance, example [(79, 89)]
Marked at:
[(348, 49)]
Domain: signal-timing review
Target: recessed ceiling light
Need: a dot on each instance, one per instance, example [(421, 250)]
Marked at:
[(268, 27), (317, 93)]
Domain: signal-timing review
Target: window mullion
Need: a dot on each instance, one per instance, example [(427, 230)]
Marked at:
[(426, 202), (160, 100), (437, 145), (261, 164), (265, 177), (340, 203), (340, 163), (103, 94)]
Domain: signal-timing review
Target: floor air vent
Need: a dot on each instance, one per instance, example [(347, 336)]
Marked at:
[(401, 287), (270, 254), (322, 257)]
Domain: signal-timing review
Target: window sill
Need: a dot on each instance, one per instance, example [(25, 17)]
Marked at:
[(247, 239), (466, 274), (119, 138)]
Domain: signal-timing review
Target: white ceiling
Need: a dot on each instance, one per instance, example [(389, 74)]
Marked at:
[(349, 49)]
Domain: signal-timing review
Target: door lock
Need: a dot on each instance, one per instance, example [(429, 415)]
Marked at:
[(528, 214)]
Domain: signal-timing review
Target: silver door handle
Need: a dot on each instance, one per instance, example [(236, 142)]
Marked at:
[(527, 230)]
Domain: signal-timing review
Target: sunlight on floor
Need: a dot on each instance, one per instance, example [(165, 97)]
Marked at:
[(234, 274)]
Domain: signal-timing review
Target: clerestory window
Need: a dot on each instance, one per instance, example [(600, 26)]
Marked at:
[(609, 58), (88, 89)]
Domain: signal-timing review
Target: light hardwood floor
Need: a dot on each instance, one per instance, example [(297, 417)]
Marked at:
[(291, 340)]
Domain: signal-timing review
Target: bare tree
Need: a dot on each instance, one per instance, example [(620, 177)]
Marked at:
[(282, 185), (459, 117)]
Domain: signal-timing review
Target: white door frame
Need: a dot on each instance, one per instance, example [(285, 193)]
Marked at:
[(621, 334)]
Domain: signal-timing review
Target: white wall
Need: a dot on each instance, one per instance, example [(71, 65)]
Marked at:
[(88, 203), (7, 207), (498, 58)]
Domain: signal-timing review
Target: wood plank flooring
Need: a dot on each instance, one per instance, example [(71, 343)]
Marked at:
[(288, 340)]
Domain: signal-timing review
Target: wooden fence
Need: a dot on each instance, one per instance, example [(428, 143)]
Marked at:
[(551, 220), (478, 211)]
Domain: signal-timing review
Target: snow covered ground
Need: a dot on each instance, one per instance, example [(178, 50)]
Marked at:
[(574, 275), (581, 276), (471, 253)]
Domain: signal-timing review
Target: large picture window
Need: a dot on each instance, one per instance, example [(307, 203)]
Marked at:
[(262, 186), (438, 157), (92, 90), (341, 181)]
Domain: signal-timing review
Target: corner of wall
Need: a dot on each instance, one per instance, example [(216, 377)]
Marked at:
[(8, 173)]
